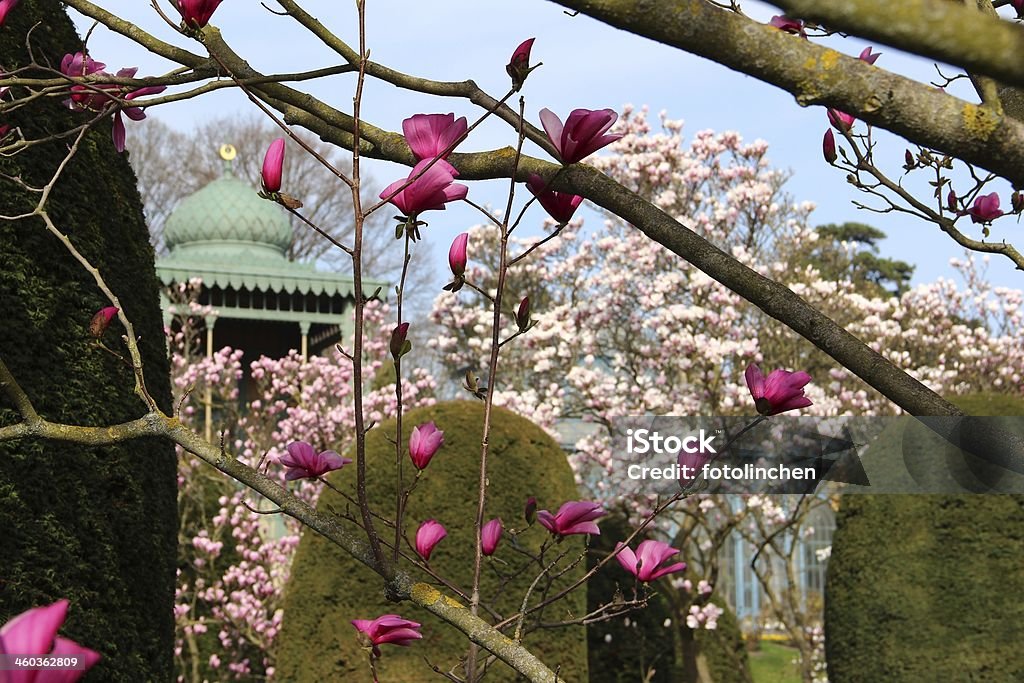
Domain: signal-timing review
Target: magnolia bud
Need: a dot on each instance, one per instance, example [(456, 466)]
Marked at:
[(399, 345), (101, 321), (518, 67), (273, 164), (530, 511), (523, 314), (828, 147), (457, 255), (490, 536)]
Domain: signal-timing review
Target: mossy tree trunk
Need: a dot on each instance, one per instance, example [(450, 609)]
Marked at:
[(94, 525)]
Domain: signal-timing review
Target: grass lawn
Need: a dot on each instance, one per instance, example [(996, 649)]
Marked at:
[(774, 663)]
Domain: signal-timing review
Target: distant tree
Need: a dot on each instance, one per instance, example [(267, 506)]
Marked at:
[(850, 251)]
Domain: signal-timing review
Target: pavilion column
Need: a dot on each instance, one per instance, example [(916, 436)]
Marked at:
[(304, 326), (210, 320)]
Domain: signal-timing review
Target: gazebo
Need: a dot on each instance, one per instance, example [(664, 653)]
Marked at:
[(236, 243), (264, 304)]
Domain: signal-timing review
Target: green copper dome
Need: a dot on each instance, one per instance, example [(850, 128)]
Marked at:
[(227, 221)]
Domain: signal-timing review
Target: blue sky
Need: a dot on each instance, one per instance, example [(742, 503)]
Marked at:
[(586, 64)]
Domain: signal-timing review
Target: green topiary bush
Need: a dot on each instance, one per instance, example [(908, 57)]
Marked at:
[(328, 589), (925, 587), (95, 525)]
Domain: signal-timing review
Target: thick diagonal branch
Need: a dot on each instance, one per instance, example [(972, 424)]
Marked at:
[(945, 31), (818, 75)]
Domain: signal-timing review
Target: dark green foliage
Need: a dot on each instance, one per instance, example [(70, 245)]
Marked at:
[(883, 274), (645, 643), (927, 587), (724, 651), (94, 525), (328, 588)]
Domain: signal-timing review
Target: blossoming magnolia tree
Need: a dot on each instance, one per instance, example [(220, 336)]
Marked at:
[(228, 603), (608, 342), (428, 145)]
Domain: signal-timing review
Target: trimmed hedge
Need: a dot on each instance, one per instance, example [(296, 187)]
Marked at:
[(328, 588), (95, 525), (927, 587)]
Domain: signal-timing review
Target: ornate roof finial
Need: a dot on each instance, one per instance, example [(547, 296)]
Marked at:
[(228, 154)]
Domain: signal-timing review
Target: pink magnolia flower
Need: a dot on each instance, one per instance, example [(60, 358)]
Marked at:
[(197, 13), (985, 208), (840, 120), (866, 55), (5, 7), (650, 560), (389, 628), (98, 97), (784, 23), (781, 391), (951, 201), (574, 517), (429, 535), (3, 130), (559, 205), (423, 444), (828, 146), (490, 536), (34, 633), (273, 166), (430, 135), (303, 462), (80, 64), (583, 134), (430, 191), (101, 320), (457, 255), (518, 67)]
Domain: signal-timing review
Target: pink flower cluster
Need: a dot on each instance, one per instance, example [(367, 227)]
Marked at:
[(292, 402), (100, 96)]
